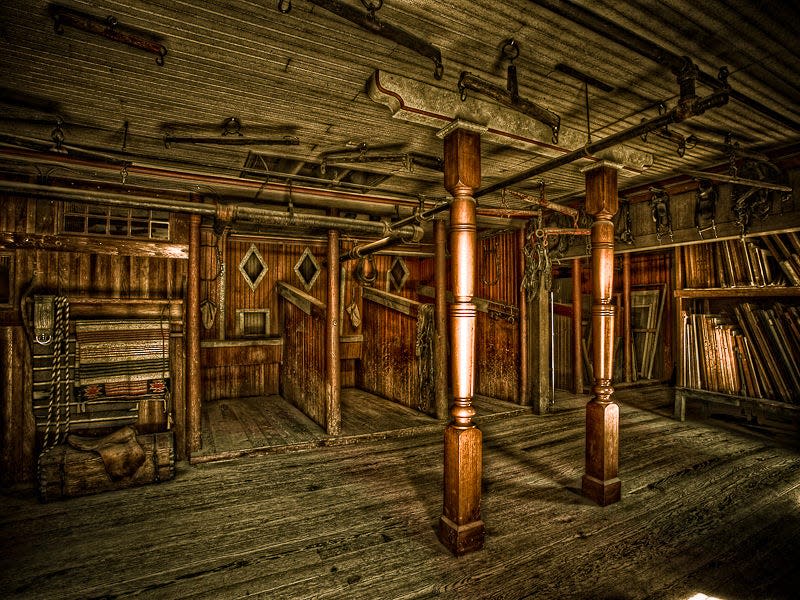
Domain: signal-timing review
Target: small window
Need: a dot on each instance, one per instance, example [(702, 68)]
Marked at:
[(252, 267), (115, 222), (307, 269), (252, 322), (397, 275)]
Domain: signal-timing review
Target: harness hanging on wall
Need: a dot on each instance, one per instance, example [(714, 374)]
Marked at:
[(625, 218), (750, 201), (659, 207), (705, 208)]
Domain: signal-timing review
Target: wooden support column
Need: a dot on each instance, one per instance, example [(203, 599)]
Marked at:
[(333, 371), (627, 351), (440, 313), (461, 529), (524, 392), (193, 388), (600, 481), (577, 328), (540, 350)]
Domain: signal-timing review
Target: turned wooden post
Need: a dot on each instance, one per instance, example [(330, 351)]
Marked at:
[(193, 388), (524, 391), (333, 379), (627, 351), (440, 313), (461, 529), (577, 328), (600, 482)]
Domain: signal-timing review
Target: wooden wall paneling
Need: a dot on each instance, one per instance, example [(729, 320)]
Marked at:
[(18, 440), (497, 341), (390, 367), (497, 349)]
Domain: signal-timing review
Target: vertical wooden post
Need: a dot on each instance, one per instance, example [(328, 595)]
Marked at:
[(539, 354), (440, 310), (193, 388), (600, 481), (17, 426), (679, 347), (333, 378), (461, 529), (577, 328), (524, 392), (627, 351)]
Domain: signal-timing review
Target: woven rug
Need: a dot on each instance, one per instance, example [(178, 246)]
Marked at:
[(119, 363)]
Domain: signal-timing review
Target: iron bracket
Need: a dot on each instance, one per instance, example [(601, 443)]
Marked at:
[(510, 96), (231, 136), (373, 24), (108, 28)]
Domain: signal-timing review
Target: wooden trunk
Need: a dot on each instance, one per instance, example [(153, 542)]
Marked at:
[(65, 472)]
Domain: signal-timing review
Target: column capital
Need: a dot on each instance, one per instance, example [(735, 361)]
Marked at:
[(462, 162), (461, 124), (600, 164), (601, 190)]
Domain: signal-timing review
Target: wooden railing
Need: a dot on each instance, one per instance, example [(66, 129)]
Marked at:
[(302, 372)]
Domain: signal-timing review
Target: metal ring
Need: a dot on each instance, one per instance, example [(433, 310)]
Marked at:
[(514, 53), (284, 6)]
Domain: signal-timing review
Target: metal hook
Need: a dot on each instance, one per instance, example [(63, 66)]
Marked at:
[(371, 7), (232, 125), (511, 49), (438, 69), (57, 135)]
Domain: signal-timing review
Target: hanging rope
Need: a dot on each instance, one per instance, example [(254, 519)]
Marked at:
[(59, 398), (424, 352)]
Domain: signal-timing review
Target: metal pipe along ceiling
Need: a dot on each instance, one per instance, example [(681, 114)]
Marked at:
[(223, 212), (681, 112), (644, 47)]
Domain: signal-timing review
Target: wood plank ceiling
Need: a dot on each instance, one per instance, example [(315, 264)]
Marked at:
[(303, 74)]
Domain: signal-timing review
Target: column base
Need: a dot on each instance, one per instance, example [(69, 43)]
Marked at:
[(461, 539), (601, 492)]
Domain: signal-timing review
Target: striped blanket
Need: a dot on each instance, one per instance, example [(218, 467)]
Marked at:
[(121, 358)]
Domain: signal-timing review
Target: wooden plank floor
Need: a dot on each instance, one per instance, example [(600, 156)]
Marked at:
[(260, 425), (705, 510)]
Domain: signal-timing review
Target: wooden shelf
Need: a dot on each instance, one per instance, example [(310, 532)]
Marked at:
[(764, 404), (739, 292)]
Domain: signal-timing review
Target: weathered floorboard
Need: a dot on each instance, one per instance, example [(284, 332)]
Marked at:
[(706, 508)]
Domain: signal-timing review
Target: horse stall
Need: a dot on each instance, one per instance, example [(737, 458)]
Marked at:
[(397, 359)]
